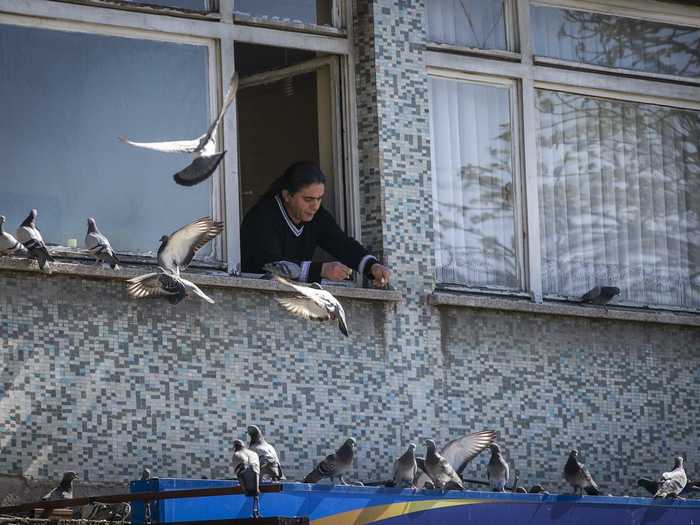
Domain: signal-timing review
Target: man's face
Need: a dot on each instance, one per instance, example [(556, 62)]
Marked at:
[(303, 205)]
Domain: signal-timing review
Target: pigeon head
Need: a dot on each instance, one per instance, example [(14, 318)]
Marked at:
[(351, 443), (495, 449), (573, 453), (29, 221), (164, 239), (254, 432), (678, 462), (238, 445), (69, 478), (92, 225), (2, 220), (146, 474), (430, 445), (411, 446)]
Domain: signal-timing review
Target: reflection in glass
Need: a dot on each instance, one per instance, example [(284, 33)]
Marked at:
[(68, 99), (307, 11), (619, 191), (618, 42), (479, 24), (473, 184)]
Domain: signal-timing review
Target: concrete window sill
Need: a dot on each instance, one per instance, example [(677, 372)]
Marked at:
[(207, 278), (556, 308)]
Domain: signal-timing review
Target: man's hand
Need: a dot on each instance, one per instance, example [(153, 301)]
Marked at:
[(380, 274), (335, 271)]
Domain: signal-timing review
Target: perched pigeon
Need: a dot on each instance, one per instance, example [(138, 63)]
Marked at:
[(652, 486), (8, 244), (672, 483), (600, 294), (405, 468), (335, 465), (287, 269), (578, 476), (497, 469), (537, 489), (439, 469), (163, 284), (270, 466), (459, 452), (64, 490), (313, 302), (203, 149), (246, 466), (30, 236), (99, 246), (146, 474), (177, 249)]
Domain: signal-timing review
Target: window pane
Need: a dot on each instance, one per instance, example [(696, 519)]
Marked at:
[(619, 187), (67, 100), (612, 41), (473, 183), (202, 6), (470, 23), (307, 11)]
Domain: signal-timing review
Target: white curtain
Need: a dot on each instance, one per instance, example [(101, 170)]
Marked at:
[(619, 191), (470, 23), (472, 163)]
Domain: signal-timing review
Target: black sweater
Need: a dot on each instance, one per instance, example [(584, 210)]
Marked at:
[(268, 234)]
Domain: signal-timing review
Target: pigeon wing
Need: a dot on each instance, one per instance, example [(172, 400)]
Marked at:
[(303, 307), (196, 290), (461, 451), (154, 284), (228, 100), (184, 243), (172, 146), (199, 170)]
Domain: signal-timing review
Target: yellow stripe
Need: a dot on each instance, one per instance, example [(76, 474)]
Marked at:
[(381, 512)]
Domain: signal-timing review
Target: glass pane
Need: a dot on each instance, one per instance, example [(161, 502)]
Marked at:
[(612, 41), (619, 187), (307, 11), (470, 23), (68, 98), (472, 141), (202, 6)]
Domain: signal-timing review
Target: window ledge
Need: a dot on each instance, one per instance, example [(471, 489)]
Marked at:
[(612, 313), (211, 278)]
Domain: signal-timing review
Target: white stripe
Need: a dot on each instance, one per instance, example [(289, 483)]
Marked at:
[(296, 231), (304, 275)]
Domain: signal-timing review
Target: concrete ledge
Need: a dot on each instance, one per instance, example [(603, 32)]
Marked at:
[(207, 278), (615, 313)]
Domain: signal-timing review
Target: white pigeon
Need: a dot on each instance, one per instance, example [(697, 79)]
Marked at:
[(30, 236), (177, 249), (270, 466), (99, 245), (203, 149), (246, 466), (672, 483), (8, 244), (163, 283)]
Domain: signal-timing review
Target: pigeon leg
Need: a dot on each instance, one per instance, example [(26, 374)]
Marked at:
[(342, 481), (256, 507)]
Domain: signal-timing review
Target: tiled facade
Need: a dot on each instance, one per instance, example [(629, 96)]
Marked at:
[(95, 382)]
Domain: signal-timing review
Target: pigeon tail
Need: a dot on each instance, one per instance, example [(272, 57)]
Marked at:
[(199, 170), (592, 491), (313, 477), (651, 486)]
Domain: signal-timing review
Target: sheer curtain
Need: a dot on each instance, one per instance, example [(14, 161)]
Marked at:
[(472, 163), (619, 190), (471, 23)]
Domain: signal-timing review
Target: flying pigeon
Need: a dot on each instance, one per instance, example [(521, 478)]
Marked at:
[(163, 284), (270, 466), (600, 294), (64, 490), (439, 469), (313, 302), (99, 246), (672, 483), (177, 249), (497, 469), (203, 149), (335, 465), (459, 452), (30, 236), (246, 466), (405, 468), (8, 244), (578, 476)]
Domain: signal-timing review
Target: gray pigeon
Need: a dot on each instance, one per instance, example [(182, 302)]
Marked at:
[(99, 246), (270, 466), (313, 302), (64, 490), (405, 468), (600, 294), (578, 476), (177, 249), (442, 474), (203, 148), (8, 244), (287, 269), (30, 236), (246, 466), (497, 469), (163, 284), (146, 474), (335, 465), (672, 483), (652, 486)]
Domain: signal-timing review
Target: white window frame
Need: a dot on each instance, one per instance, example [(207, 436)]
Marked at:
[(532, 73)]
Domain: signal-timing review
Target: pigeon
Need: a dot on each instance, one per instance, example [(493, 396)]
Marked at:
[(439, 469), (497, 469), (270, 466), (203, 148), (163, 283), (177, 249), (652, 486), (537, 489), (146, 474), (313, 302), (600, 294), (64, 490), (8, 244), (459, 452), (246, 466), (578, 476), (405, 468), (99, 246), (672, 483), (30, 236), (287, 269), (335, 465)]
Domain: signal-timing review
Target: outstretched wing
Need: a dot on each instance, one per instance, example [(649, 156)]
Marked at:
[(155, 284), (461, 451), (184, 243), (171, 146), (303, 307), (228, 100)]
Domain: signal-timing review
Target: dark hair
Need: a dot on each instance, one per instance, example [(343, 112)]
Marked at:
[(296, 177)]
